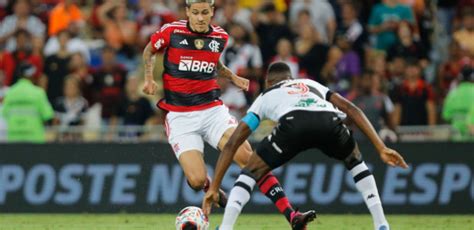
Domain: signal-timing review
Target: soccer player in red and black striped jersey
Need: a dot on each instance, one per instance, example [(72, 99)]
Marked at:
[(194, 111)]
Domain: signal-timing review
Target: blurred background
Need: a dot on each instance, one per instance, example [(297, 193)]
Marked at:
[(408, 64), (71, 74)]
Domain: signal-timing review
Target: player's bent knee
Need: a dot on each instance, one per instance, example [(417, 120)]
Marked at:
[(255, 171), (353, 159), (197, 182)]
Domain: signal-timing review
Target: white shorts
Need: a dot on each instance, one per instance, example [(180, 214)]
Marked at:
[(188, 130)]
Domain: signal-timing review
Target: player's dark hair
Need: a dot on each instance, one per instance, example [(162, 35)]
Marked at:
[(279, 68), (278, 71)]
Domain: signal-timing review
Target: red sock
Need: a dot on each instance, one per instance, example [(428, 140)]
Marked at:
[(270, 186)]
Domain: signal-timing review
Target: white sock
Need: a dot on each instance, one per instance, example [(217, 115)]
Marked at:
[(238, 198), (365, 184)]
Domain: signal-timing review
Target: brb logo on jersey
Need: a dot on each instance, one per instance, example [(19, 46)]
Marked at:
[(190, 65)]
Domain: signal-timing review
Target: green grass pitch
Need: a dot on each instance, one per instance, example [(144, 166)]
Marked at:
[(245, 222)]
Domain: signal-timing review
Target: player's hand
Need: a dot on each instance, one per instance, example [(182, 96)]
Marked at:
[(150, 87), (241, 82), (211, 198), (393, 158)]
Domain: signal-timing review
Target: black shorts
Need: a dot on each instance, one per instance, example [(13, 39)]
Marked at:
[(298, 131)]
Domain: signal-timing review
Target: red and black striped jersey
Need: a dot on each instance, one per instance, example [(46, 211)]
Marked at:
[(190, 63)]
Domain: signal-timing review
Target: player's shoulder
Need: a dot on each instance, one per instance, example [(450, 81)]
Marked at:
[(276, 86), (309, 82), (174, 25), (219, 30)]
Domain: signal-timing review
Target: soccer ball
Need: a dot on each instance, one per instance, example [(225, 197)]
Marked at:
[(192, 218)]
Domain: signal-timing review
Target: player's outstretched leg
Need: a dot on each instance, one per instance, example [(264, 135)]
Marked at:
[(238, 198), (268, 184), (365, 184), (242, 190), (195, 171)]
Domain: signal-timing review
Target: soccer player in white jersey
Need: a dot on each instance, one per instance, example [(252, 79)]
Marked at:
[(309, 115)]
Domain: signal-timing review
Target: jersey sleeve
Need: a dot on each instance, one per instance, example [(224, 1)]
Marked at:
[(256, 107), (161, 38), (318, 89)]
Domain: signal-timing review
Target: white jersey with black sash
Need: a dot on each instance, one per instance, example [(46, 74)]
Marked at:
[(292, 95)]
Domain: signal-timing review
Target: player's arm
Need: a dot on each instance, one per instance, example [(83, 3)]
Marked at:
[(225, 72), (148, 59), (248, 124), (388, 155), (150, 87)]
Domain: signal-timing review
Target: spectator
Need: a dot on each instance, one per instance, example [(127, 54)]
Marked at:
[(407, 47), (23, 53), (311, 52), (108, 83), (64, 15), (376, 105), (79, 68), (70, 109), (233, 98), (243, 58), (348, 68), (231, 12), (119, 32), (56, 67), (396, 71), (22, 19), (285, 54), (384, 20), (352, 29), (465, 35), (445, 15), (459, 102), (376, 61), (26, 109), (3, 123), (75, 43), (134, 110), (322, 15), (449, 71), (414, 99), (150, 19), (270, 27), (304, 18)]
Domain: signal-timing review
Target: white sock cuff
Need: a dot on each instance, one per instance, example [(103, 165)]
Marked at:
[(359, 168), (246, 180)]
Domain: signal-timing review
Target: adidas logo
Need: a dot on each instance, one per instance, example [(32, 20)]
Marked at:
[(184, 42), (370, 196)]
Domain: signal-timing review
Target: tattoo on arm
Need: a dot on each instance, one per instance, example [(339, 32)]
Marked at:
[(149, 60)]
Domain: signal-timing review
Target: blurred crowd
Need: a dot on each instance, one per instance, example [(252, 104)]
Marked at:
[(403, 62)]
